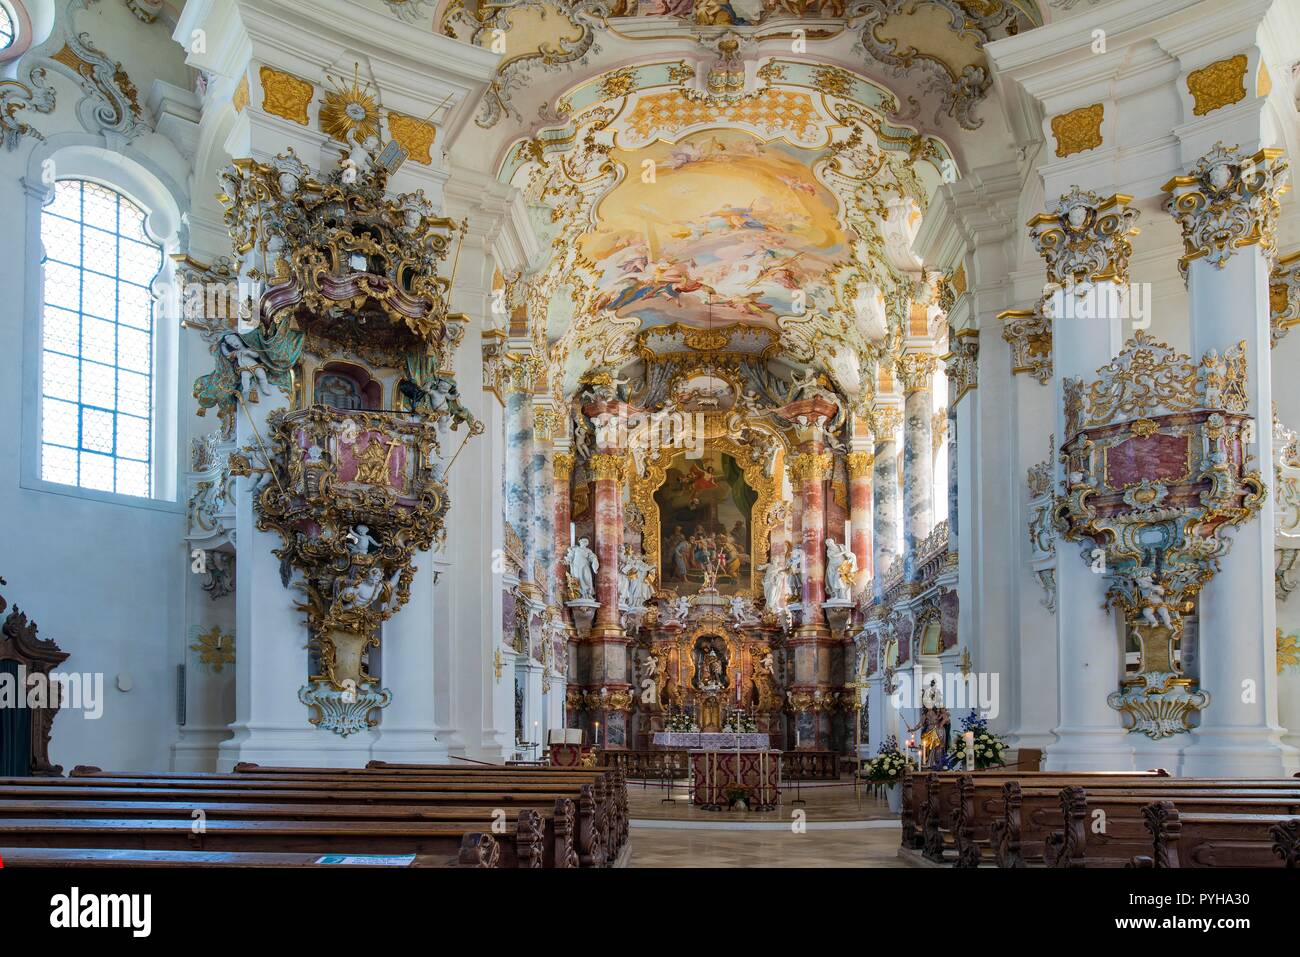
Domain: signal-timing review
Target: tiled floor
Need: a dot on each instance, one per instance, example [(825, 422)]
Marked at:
[(834, 828)]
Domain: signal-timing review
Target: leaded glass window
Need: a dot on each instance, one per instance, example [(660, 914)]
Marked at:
[(97, 341), (7, 30)]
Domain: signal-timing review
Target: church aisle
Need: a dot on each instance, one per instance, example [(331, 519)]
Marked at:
[(836, 829)]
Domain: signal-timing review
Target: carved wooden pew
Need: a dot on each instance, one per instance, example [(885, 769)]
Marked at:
[(931, 800), (591, 824), (522, 845), (1040, 823), (609, 790), (1180, 839), (1122, 832), (81, 857), (559, 820)]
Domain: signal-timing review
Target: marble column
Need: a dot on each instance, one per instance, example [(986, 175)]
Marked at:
[(884, 493), (1227, 280), (916, 372), (1090, 736), (860, 462), (519, 463), (809, 470), (543, 483), (608, 676), (562, 475), (812, 646)]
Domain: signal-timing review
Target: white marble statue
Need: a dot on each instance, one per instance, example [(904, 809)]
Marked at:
[(360, 157), (364, 591), (740, 613), (1151, 597), (640, 579), (841, 564), (794, 570), (776, 586), (583, 566), (246, 362), (360, 540), (678, 610)]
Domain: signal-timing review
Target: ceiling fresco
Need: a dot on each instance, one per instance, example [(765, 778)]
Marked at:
[(729, 229)]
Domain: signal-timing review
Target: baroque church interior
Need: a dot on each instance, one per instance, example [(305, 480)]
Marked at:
[(600, 433)]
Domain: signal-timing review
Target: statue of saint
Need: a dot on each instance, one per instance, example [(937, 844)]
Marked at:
[(583, 566)]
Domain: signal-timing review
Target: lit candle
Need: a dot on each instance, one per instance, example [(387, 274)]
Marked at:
[(535, 737), (597, 741), (970, 750)]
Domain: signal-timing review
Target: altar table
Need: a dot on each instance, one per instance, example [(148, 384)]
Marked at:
[(713, 771), (711, 740)]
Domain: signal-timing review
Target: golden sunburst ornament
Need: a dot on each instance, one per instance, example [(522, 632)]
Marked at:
[(350, 112), (215, 649)]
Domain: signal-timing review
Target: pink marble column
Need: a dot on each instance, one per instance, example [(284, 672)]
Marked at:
[(563, 465), (860, 467), (813, 466)]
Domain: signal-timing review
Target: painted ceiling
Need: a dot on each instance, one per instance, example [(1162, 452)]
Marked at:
[(729, 229), (738, 175)]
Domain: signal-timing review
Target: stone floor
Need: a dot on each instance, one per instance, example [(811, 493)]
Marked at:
[(834, 828)]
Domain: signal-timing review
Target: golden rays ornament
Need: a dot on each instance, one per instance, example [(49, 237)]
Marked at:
[(350, 112)]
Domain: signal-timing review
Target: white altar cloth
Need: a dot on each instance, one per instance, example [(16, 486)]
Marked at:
[(713, 740)]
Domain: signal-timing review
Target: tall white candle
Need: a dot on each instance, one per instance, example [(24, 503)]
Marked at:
[(848, 531), (970, 750), (573, 534)]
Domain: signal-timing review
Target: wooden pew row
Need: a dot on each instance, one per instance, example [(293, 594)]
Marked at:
[(591, 824), (1019, 824), (931, 801), (1182, 839), (523, 845), (609, 787), (1045, 822), (558, 822), (1105, 827), (15, 857)]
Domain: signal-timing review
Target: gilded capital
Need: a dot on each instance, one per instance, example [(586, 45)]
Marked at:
[(604, 465), (1227, 201), (915, 370), (563, 466), (962, 363), (885, 423), (1084, 238), (1029, 334), (859, 464), (521, 373), (810, 466)]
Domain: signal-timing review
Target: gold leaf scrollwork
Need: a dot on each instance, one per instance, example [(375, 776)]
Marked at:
[(1078, 130), (1218, 85), (286, 96)]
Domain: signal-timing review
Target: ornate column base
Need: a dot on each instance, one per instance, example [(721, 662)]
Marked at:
[(1089, 749)]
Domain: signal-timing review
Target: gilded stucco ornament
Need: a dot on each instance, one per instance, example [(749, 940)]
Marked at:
[(111, 103), (15, 97), (1217, 85), (1084, 238), (1284, 296), (960, 88), (962, 362), (1029, 334), (1078, 130), (335, 268), (1228, 201), (1156, 469)]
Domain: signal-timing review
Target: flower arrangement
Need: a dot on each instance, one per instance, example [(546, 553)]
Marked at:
[(889, 763), (988, 747), (741, 722), (681, 722)]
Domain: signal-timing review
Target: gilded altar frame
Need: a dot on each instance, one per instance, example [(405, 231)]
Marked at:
[(713, 629), (761, 521)]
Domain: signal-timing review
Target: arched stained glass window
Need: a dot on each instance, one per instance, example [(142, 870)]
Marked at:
[(97, 341), (7, 29)]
